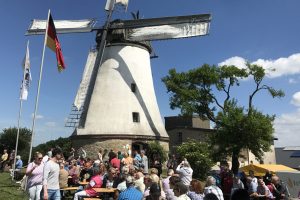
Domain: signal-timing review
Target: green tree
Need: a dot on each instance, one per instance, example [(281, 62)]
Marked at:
[(8, 138), (64, 143), (207, 91), (198, 155), (156, 149)]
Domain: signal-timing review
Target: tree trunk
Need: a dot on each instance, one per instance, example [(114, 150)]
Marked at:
[(235, 162)]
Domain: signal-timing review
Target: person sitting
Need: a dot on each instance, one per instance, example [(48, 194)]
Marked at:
[(111, 179), (153, 178), (170, 193), (155, 192), (237, 184), (63, 178), (279, 190), (166, 181), (131, 192), (196, 190), (252, 186), (95, 182), (139, 182), (4, 159), (87, 172), (180, 191), (212, 188), (263, 191)]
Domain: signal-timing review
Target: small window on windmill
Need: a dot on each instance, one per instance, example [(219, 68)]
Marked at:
[(133, 87), (136, 117)]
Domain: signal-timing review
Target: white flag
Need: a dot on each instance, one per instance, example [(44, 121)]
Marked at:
[(111, 3), (122, 2), (26, 75)]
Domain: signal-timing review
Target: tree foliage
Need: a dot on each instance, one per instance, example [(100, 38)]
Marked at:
[(207, 92), (64, 143), (198, 155), (156, 149), (8, 138)]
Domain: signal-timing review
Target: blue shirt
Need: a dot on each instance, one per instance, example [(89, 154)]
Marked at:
[(131, 193), (19, 164)]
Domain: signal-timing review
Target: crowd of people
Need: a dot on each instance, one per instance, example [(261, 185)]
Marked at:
[(132, 176)]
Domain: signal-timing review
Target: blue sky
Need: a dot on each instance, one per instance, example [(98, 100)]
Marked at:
[(260, 31)]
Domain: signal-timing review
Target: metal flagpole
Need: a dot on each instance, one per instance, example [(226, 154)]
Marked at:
[(38, 91), (19, 118)]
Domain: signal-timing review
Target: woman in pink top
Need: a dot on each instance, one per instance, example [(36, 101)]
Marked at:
[(34, 172), (95, 182)]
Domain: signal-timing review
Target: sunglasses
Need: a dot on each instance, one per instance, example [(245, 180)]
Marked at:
[(40, 158)]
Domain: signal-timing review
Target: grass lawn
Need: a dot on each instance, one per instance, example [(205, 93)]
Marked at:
[(9, 189)]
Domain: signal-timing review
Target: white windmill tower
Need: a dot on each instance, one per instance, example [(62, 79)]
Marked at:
[(116, 98)]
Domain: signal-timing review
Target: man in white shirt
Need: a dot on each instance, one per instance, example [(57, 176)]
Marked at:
[(51, 177), (185, 172)]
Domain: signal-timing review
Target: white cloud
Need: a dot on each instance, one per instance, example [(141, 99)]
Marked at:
[(50, 124), (37, 116), (236, 60), (296, 99), (287, 128), (274, 68), (292, 81)]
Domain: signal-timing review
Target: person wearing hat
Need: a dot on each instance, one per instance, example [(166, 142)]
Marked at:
[(131, 192)]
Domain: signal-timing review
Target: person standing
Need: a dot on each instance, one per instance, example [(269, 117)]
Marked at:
[(100, 155), (185, 172), (51, 177), (12, 158), (34, 172), (4, 158), (144, 162)]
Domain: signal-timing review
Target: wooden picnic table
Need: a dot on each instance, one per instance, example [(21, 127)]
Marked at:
[(105, 190), (69, 188), (83, 182)]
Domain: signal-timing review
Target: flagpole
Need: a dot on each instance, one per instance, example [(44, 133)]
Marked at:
[(38, 91), (19, 118)]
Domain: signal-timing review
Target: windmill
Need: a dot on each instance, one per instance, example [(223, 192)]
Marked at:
[(115, 106)]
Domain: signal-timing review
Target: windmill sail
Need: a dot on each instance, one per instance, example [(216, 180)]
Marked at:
[(38, 26), (77, 107), (164, 28), (86, 77)]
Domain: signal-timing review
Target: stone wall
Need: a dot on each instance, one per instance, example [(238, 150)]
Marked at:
[(92, 145)]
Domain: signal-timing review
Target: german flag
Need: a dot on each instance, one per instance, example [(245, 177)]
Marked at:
[(54, 45)]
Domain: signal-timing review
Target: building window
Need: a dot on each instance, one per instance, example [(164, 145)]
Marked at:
[(133, 87), (136, 117), (179, 138)]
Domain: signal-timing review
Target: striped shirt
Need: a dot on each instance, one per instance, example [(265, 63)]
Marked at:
[(214, 189)]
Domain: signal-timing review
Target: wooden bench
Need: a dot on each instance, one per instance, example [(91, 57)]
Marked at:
[(67, 191), (69, 188)]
